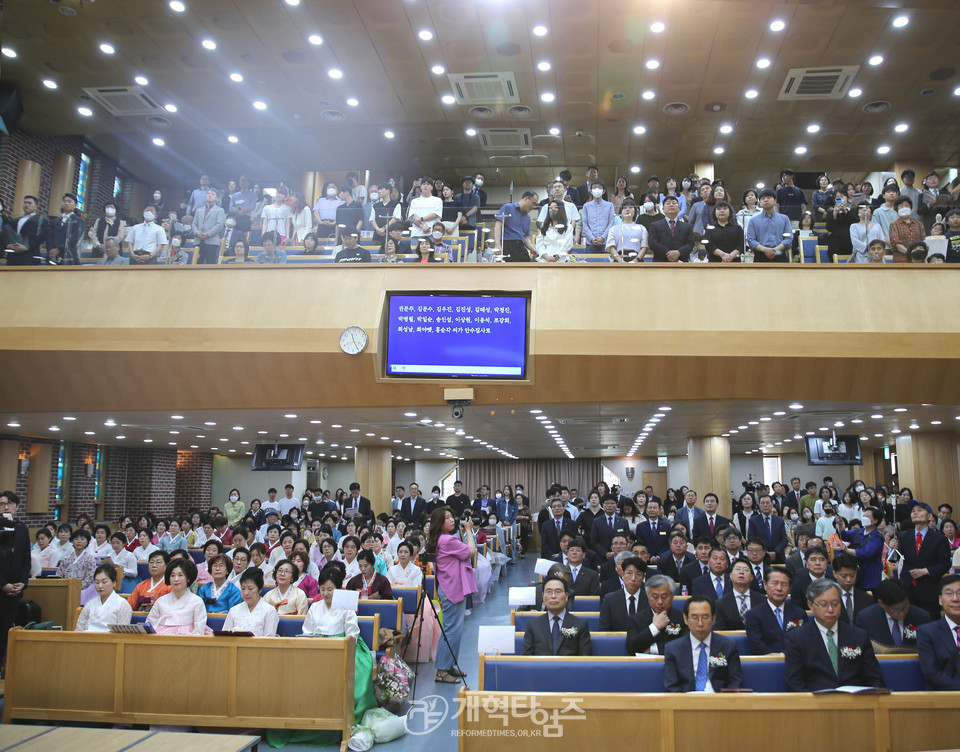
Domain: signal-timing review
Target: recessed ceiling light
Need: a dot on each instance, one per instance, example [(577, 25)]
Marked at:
[(539, 31), (876, 416), (315, 39), (554, 131), (855, 92), (779, 412), (159, 142), (639, 130), (170, 107), (895, 430), (544, 65), (388, 134), (353, 101), (657, 27), (935, 422), (718, 150), (883, 150), (547, 96), (142, 80), (879, 435), (293, 2), (177, 6), (751, 93), (649, 94), (914, 426), (85, 111), (777, 26), (795, 406), (209, 44), (50, 83), (901, 127), (232, 139), (335, 73), (900, 21), (425, 34), (8, 52), (107, 49), (89, 433), (875, 60), (726, 128), (260, 105), (800, 150), (763, 62), (13, 424), (438, 70), (652, 64), (665, 407), (121, 437), (635, 169), (448, 99), (813, 128), (236, 77), (471, 131)]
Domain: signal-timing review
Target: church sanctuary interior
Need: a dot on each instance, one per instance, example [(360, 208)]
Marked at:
[(155, 392)]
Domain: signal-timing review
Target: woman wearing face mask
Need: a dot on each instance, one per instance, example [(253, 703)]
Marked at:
[(689, 193), (232, 233), (648, 212), (620, 195), (325, 210), (861, 234), (178, 256), (723, 238), (866, 543), (555, 240), (162, 210), (108, 226), (627, 241), (234, 509)]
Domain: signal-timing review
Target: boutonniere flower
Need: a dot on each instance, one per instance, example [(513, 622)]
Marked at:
[(673, 629), (910, 633), (718, 661), (850, 652), (569, 631), (793, 624)]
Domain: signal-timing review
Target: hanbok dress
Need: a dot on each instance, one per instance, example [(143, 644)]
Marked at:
[(97, 616), (183, 615)]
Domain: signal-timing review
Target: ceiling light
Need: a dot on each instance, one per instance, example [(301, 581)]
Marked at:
[(935, 422), (649, 94), (50, 83), (718, 150), (209, 44), (170, 107), (471, 131), (855, 92), (726, 128), (107, 49), (85, 111), (353, 101), (142, 80), (754, 422), (554, 131), (901, 127), (657, 27), (544, 65), (779, 412), (734, 430), (895, 430), (332, 425), (665, 407), (856, 420), (293, 2), (875, 60), (315, 39), (777, 26), (652, 64), (751, 93), (232, 139), (176, 417), (635, 169), (260, 105), (800, 150), (438, 70), (8, 52), (547, 97), (813, 128), (68, 417), (539, 31), (425, 34), (765, 420), (883, 150), (763, 62), (879, 435), (639, 130), (159, 142), (876, 416), (177, 6), (914, 426), (900, 21), (448, 99), (89, 433), (236, 77), (388, 134)]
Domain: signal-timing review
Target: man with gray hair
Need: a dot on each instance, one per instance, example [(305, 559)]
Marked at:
[(826, 652), (111, 253), (657, 624)]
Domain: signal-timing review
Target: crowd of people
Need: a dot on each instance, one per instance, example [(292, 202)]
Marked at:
[(691, 219)]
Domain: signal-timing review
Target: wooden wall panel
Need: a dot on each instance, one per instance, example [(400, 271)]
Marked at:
[(9, 459), (41, 464)]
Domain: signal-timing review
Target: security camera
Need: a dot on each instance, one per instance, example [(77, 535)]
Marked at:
[(578, 133), (457, 413), (457, 405)]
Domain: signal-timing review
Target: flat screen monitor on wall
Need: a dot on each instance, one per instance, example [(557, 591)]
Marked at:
[(833, 450), (277, 457), (443, 335)]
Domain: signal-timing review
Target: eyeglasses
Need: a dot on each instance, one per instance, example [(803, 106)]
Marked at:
[(828, 606)]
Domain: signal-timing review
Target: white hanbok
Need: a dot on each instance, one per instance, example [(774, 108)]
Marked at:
[(46, 559), (262, 621), (141, 553), (125, 561), (321, 620), (353, 568), (97, 616), (412, 576)]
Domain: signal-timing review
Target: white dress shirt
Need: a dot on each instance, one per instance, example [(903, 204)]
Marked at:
[(695, 647), (826, 639)]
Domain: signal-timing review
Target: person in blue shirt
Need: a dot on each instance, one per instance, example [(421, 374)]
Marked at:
[(220, 595), (597, 217), (866, 544), (769, 234), (511, 234)]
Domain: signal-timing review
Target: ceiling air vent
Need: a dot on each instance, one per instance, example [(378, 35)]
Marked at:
[(520, 111), (676, 108), (875, 108), (484, 88), (124, 101), (504, 139), (334, 115), (483, 112), (817, 83)]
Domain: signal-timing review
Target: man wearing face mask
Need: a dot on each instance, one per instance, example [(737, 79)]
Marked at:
[(146, 240), (64, 233), (209, 221), (598, 217), (905, 230), (199, 196), (107, 226)]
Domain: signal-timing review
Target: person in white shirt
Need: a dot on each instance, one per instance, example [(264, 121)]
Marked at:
[(45, 556), (146, 547), (557, 193), (125, 562), (254, 614), (62, 543), (147, 240), (241, 563), (100, 545), (322, 620), (277, 217), (288, 502), (424, 209), (405, 573), (108, 607)]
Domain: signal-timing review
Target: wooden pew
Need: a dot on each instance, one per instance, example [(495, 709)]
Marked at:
[(58, 599), (108, 684)]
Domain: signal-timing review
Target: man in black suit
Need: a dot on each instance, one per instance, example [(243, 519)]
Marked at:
[(413, 507), (606, 526), (557, 632), (770, 529), (31, 227), (796, 561), (585, 580), (700, 566), (937, 643), (706, 657), (854, 599), (671, 240), (356, 505), (826, 653), (926, 558), (795, 493), (768, 623), (553, 528), (892, 621), (562, 571), (609, 569), (651, 629), (14, 565), (712, 523), (676, 558), (484, 503), (739, 599), (653, 531), (583, 191), (651, 496), (617, 607), (614, 581), (732, 542), (716, 583), (816, 569), (757, 556)]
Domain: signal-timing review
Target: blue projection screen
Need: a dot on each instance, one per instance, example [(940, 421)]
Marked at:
[(449, 336)]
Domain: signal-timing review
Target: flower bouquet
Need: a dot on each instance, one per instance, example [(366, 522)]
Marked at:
[(392, 685)]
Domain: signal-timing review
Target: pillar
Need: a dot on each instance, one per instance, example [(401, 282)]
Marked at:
[(140, 194), (62, 181), (927, 465), (869, 473), (310, 185), (704, 169), (373, 470), (28, 184), (708, 458)]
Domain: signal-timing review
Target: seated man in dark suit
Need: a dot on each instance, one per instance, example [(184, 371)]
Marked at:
[(826, 653), (845, 572), (617, 607), (553, 528), (741, 597), (816, 569), (651, 629), (937, 642), (711, 523), (619, 544), (732, 542), (615, 583), (716, 582), (757, 556), (670, 239), (561, 570), (673, 561), (706, 662), (585, 580), (557, 632), (768, 623), (892, 621), (796, 560), (654, 530), (700, 567)]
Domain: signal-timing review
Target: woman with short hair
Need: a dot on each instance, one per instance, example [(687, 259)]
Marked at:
[(179, 611), (108, 607)]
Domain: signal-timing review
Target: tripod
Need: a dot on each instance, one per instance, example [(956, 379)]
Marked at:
[(418, 617)]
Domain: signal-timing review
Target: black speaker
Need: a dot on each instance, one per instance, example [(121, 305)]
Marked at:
[(11, 109)]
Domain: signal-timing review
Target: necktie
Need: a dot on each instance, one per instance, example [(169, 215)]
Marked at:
[(957, 630), (556, 634), (706, 569), (711, 524), (743, 605), (769, 528), (574, 573), (719, 587), (896, 633), (632, 609), (848, 597), (610, 522), (558, 528), (702, 668), (780, 618), (832, 649), (673, 226), (919, 542), (759, 574)]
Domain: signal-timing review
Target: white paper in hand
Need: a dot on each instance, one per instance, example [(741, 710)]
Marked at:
[(348, 600), (543, 566), (495, 639), (523, 596)]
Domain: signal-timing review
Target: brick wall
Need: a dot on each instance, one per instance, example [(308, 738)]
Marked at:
[(42, 150), (22, 489), (194, 481), (151, 480), (82, 488), (115, 482)]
